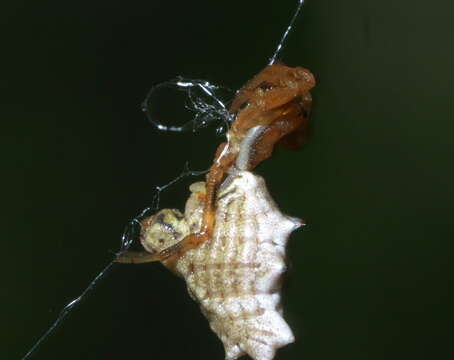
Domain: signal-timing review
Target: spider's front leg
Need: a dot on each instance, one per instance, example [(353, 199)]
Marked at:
[(136, 257)]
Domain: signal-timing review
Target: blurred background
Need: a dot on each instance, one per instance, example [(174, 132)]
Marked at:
[(370, 276)]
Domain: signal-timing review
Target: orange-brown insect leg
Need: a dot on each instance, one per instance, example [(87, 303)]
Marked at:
[(298, 138), (136, 257), (292, 117)]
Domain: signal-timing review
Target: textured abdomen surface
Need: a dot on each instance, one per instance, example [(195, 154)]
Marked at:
[(236, 275)]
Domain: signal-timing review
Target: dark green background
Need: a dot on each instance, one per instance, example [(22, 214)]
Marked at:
[(370, 277)]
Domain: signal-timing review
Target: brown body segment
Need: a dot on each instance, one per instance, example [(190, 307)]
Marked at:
[(278, 99)]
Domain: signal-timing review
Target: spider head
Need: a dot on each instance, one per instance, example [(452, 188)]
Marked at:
[(163, 229)]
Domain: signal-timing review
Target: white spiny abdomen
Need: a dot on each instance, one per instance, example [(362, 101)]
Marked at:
[(236, 275)]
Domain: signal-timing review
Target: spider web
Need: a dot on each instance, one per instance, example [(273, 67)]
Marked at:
[(204, 101)]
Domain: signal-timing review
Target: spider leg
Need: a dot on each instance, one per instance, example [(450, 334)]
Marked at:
[(137, 257)]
